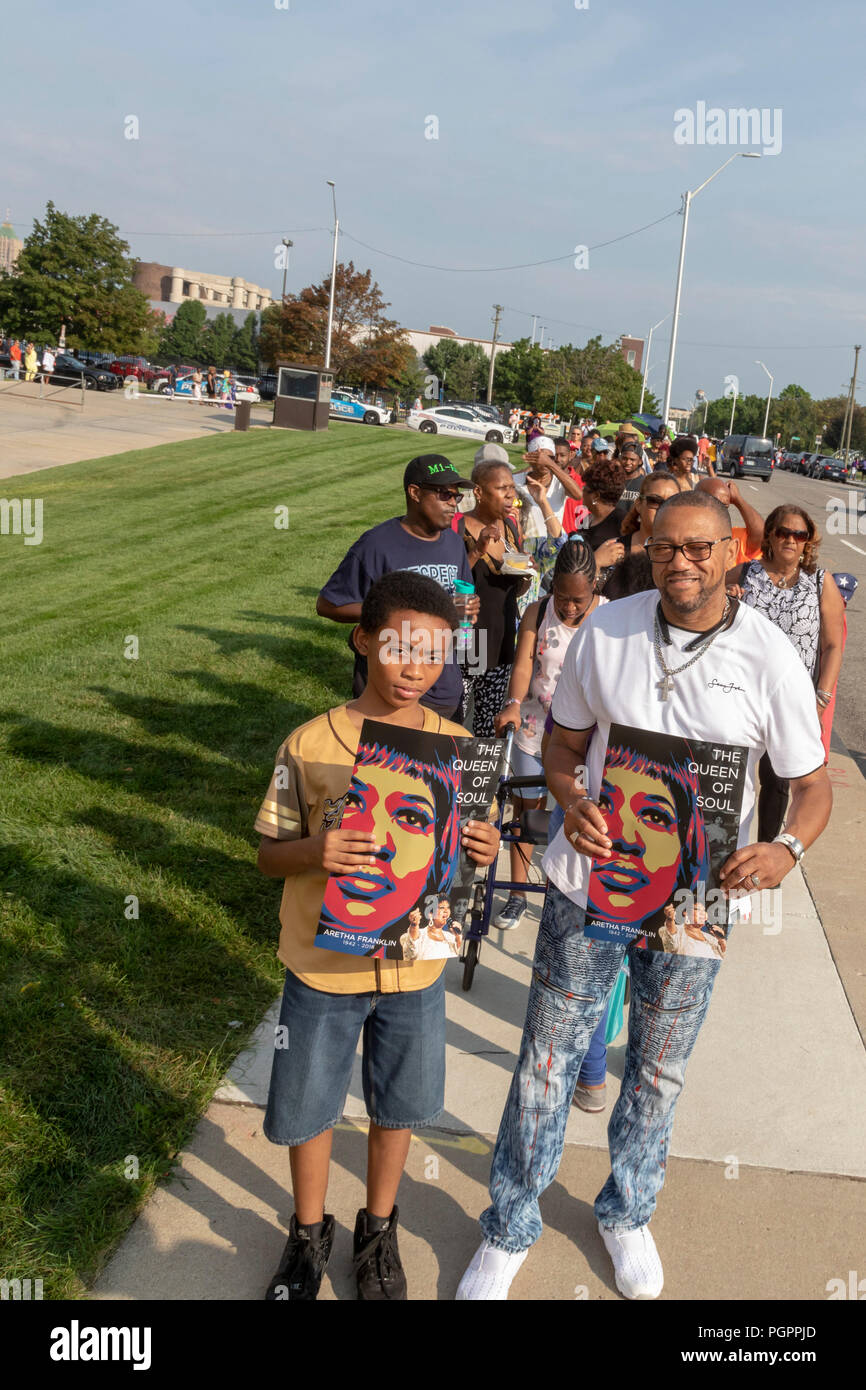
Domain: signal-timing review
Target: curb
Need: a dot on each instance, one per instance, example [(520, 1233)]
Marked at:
[(831, 868)]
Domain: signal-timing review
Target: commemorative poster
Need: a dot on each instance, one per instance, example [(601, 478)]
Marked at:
[(673, 809), (415, 791)]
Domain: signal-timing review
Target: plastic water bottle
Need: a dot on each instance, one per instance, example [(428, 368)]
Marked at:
[(463, 635)]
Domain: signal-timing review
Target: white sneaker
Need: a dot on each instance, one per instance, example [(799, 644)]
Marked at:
[(636, 1264), (512, 912), (490, 1273)]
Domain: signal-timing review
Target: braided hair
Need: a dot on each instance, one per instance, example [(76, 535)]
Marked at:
[(575, 557)]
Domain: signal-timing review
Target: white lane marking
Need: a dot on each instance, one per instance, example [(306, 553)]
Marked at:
[(752, 486), (853, 546)]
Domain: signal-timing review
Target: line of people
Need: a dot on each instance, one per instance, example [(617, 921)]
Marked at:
[(584, 574)]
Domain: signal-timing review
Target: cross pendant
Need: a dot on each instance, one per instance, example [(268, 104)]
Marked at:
[(665, 686)]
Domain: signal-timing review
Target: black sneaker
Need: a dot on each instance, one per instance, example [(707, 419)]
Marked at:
[(378, 1271), (299, 1275)]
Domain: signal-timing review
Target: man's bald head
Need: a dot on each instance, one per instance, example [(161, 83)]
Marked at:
[(716, 487), (699, 500)]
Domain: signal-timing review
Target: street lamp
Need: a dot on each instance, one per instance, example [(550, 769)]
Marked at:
[(733, 408), (646, 363), (332, 186), (769, 398), (287, 245), (687, 202)]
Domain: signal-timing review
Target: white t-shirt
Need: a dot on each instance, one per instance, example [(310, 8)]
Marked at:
[(749, 689), (534, 525)]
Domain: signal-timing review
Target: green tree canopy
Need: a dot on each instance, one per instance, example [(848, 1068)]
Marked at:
[(366, 346), (462, 369), (218, 339), (75, 271), (245, 345), (183, 338), (530, 376)]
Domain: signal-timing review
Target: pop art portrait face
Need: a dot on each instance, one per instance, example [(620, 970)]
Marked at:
[(400, 811), (657, 838), (411, 807)]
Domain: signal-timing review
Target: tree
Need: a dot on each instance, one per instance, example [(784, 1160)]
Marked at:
[(517, 374), (218, 338), (462, 368), (532, 377), (183, 339), (75, 271), (245, 345), (365, 345)]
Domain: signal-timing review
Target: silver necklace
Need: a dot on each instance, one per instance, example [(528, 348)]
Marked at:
[(666, 684)]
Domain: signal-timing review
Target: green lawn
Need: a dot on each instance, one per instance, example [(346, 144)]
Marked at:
[(143, 777)]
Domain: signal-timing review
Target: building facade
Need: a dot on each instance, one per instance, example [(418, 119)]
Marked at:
[(10, 246), (632, 351), (422, 341), (164, 284)]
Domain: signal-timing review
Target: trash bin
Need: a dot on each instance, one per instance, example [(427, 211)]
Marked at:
[(242, 415)]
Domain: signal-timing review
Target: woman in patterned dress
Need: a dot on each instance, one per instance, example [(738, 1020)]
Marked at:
[(803, 601)]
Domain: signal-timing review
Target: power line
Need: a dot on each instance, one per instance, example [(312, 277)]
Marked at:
[(500, 269), (732, 347)]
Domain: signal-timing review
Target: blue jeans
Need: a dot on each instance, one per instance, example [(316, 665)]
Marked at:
[(572, 979), (314, 1048), (593, 1068)]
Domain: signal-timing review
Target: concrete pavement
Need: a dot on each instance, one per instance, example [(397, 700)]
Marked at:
[(56, 428), (765, 1180)]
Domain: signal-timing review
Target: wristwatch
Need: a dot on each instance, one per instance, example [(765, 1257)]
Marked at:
[(792, 843)]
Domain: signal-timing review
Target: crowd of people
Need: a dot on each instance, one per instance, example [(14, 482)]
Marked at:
[(609, 583), (24, 357)]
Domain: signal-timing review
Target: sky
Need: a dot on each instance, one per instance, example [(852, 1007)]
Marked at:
[(555, 129)]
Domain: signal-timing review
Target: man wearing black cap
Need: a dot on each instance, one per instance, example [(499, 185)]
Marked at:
[(423, 541)]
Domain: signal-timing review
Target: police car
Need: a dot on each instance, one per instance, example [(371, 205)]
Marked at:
[(459, 419), (347, 406), (184, 387)]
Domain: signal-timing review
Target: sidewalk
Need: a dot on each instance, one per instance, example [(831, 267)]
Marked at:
[(764, 1184), (44, 433)]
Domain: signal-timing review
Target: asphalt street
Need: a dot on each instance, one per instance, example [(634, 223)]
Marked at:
[(832, 505)]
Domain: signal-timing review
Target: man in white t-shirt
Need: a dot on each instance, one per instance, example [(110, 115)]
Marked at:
[(687, 663)]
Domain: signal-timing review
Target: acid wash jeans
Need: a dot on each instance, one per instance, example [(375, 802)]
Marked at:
[(572, 978)]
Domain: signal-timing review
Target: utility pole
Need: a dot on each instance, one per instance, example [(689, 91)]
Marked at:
[(534, 326), (498, 310), (847, 441), (288, 244), (330, 329)]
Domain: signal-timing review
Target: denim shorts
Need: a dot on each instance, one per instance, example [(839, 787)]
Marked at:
[(525, 764), (314, 1048)]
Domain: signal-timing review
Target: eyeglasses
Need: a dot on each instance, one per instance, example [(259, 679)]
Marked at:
[(785, 533), (651, 500), (446, 494), (662, 552)]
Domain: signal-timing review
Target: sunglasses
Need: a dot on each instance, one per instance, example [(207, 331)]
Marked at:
[(651, 500), (785, 533), (662, 552), (446, 494)]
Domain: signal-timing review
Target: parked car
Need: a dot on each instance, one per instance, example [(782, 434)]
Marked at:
[(346, 405), (824, 466), (487, 412), (746, 456), (460, 420), (69, 369)]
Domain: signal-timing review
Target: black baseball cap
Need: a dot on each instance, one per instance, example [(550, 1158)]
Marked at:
[(433, 470)]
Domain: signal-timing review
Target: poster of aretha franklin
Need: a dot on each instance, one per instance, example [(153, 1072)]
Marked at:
[(673, 808), (414, 791)]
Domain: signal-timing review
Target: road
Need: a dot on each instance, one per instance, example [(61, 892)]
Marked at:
[(838, 552)]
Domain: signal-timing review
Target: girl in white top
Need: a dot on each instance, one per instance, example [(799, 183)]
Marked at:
[(545, 635)]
